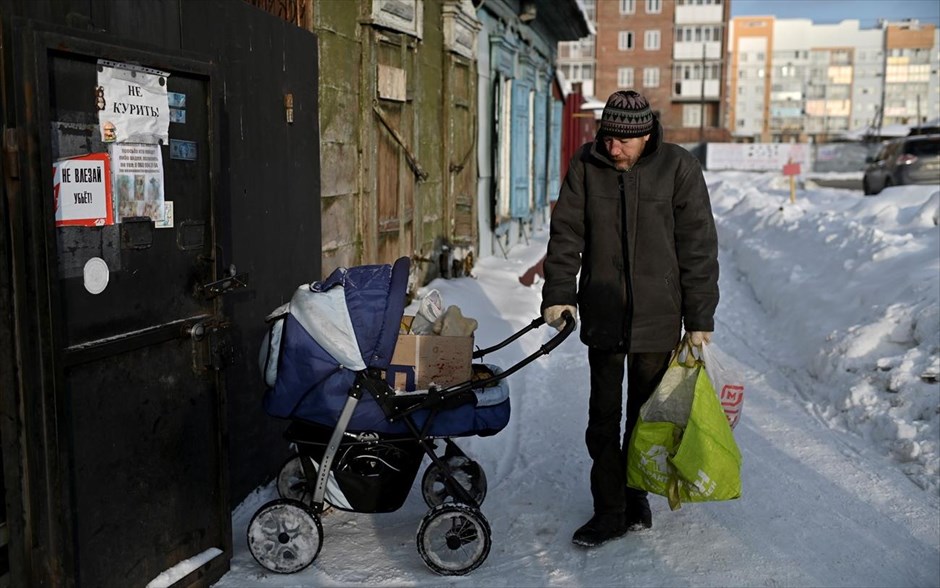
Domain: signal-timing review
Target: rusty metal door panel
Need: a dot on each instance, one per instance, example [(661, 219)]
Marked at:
[(143, 396)]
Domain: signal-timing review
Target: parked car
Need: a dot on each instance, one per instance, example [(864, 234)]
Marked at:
[(914, 159)]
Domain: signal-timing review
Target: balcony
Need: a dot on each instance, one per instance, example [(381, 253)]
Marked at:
[(691, 90), (692, 50), (785, 96), (694, 14)]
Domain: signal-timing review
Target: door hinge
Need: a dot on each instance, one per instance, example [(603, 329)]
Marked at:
[(11, 153)]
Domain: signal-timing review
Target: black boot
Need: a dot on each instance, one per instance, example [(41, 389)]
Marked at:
[(600, 529), (637, 514)]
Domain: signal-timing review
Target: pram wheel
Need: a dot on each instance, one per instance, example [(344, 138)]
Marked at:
[(291, 481), (454, 539), (465, 471), (285, 536)]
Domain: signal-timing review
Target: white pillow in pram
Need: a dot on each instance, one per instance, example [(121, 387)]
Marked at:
[(493, 395)]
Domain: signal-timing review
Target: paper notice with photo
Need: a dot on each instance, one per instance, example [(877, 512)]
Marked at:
[(137, 172)]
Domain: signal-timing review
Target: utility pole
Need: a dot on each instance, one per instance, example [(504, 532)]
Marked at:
[(701, 132)]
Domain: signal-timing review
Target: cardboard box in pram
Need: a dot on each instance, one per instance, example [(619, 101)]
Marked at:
[(422, 360)]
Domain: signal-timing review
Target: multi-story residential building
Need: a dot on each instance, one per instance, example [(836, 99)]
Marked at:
[(793, 80), (912, 81), (576, 58), (672, 51), (634, 50), (698, 88)]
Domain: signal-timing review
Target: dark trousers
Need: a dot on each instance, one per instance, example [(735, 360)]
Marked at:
[(605, 444)]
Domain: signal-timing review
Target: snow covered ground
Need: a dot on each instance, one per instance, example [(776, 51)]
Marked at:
[(831, 305)]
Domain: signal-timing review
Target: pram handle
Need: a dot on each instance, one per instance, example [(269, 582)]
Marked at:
[(461, 392), (536, 323), (545, 349)]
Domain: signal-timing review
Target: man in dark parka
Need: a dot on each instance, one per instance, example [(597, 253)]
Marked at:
[(634, 218)]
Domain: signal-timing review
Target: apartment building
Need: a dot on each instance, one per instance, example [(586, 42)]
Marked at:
[(912, 73), (672, 51), (576, 58), (793, 80)]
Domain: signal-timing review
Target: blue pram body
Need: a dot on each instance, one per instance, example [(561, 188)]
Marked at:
[(349, 322)]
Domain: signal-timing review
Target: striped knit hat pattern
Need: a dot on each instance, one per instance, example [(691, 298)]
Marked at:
[(627, 114)]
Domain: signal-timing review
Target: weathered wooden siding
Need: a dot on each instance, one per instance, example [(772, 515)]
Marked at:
[(337, 25), (388, 164)]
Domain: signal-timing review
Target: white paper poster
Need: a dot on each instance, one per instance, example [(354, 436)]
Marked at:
[(132, 104), (82, 191), (137, 170)]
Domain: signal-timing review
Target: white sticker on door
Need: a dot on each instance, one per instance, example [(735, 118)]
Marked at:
[(96, 275)]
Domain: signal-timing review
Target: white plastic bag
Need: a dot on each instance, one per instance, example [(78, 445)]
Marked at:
[(727, 378), (430, 309)]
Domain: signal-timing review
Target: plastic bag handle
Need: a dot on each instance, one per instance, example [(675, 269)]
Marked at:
[(685, 353)]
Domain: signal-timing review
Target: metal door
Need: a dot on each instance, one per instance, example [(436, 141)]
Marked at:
[(137, 375)]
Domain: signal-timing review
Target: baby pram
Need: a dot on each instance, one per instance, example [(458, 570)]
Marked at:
[(359, 442)]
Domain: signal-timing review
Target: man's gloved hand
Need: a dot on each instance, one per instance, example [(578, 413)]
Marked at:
[(552, 315), (696, 338)]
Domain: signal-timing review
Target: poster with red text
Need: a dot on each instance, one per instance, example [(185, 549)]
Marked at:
[(81, 187)]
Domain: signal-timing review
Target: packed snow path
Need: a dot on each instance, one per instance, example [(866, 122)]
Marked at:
[(821, 506)]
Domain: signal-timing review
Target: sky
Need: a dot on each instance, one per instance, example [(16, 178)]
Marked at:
[(833, 11), (830, 313)]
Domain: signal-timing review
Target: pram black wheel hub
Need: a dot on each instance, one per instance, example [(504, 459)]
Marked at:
[(464, 471), (359, 441), (454, 539), (292, 482), (285, 536)]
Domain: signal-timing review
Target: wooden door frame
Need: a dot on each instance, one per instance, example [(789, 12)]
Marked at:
[(42, 533)]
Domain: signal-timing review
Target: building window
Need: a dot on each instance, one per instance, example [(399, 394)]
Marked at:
[(654, 6), (651, 40), (627, 6), (625, 77), (590, 10), (692, 115), (650, 77), (625, 40)]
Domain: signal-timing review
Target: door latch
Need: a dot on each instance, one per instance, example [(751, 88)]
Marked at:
[(211, 347), (233, 281)]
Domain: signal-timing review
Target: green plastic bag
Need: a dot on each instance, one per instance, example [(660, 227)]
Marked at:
[(682, 446)]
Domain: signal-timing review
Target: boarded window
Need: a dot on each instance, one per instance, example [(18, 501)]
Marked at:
[(520, 162), (540, 159), (554, 157)]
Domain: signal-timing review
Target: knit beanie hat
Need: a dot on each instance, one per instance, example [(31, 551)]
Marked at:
[(627, 114)]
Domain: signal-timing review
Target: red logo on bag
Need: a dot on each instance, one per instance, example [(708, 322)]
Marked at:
[(731, 398)]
